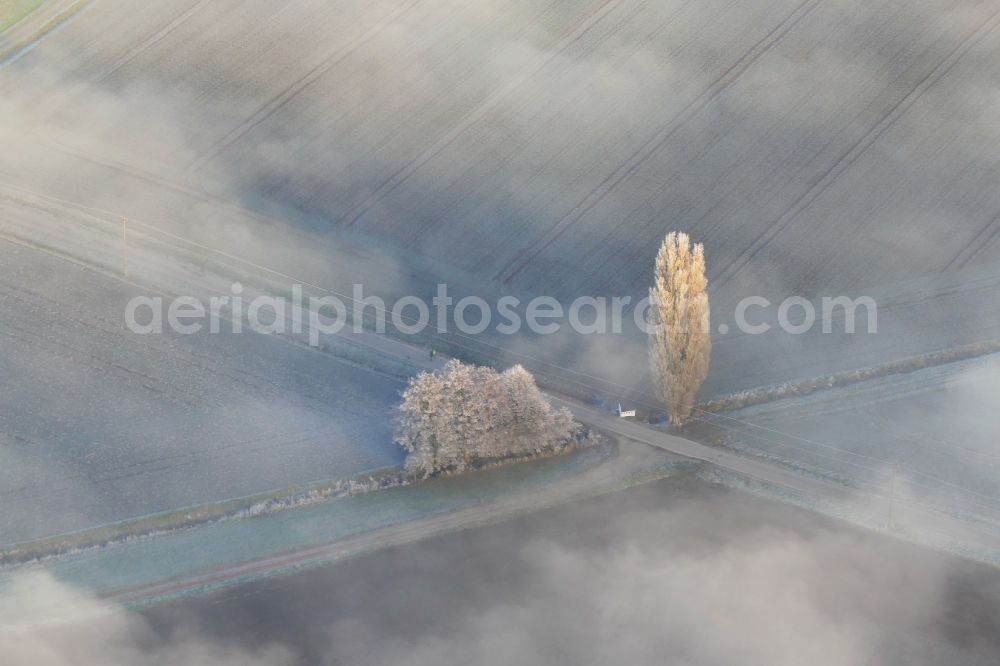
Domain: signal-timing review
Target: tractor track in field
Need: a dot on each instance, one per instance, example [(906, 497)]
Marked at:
[(975, 246), (638, 158), (176, 461), (855, 152), (289, 93), (198, 363), (476, 114), (153, 39), (534, 135)]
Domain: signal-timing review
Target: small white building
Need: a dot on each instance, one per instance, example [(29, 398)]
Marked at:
[(622, 413)]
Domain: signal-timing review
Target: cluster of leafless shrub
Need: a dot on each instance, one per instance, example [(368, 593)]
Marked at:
[(466, 415)]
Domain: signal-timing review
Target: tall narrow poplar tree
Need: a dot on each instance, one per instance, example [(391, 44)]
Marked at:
[(679, 336)]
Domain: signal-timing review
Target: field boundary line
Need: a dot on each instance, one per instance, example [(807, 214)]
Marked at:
[(795, 389)]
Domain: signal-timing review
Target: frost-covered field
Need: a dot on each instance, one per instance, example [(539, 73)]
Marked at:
[(545, 146), (98, 424), (937, 426), (525, 146), (550, 144)]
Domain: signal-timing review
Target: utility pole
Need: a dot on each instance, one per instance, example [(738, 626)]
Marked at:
[(125, 246)]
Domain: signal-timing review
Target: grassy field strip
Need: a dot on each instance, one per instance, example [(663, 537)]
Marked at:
[(849, 397), (13, 11), (19, 34), (188, 517), (808, 386), (139, 563), (407, 531), (239, 508)]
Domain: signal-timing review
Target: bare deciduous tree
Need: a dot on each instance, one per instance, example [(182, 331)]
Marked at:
[(679, 340), (465, 414)]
